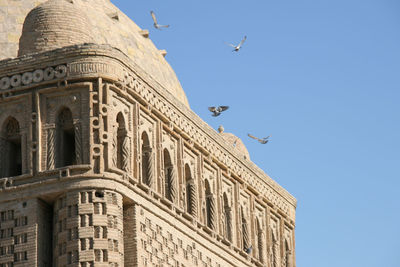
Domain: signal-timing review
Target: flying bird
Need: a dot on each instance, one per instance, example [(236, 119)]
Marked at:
[(262, 141), (217, 110), (236, 48), (156, 25)]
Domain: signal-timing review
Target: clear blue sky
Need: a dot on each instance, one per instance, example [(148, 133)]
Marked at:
[(323, 78)]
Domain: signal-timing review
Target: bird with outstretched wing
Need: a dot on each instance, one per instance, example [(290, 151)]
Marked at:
[(156, 25), (217, 110), (261, 140), (237, 47)]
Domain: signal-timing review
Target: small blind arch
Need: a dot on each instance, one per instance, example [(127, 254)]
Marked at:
[(188, 173), (191, 199), (245, 230), (228, 217), (207, 187), (121, 135), (210, 205), (147, 160), (169, 176)]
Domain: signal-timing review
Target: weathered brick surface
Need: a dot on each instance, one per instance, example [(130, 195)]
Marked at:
[(88, 235), (25, 233), (118, 31), (52, 25), (111, 169)]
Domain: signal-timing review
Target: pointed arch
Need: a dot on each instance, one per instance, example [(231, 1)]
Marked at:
[(228, 218), (191, 196), (245, 230), (147, 161), (65, 139), (11, 155), (210, 206), (122, 153), (169, 177)]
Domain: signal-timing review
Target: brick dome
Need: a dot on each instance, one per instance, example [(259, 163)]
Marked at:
[(54, 24), (235, 141), (237, 144), (57, 23)]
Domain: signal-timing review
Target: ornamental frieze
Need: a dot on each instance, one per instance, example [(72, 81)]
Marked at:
[(134, 83), (32, 77), (79, 68)]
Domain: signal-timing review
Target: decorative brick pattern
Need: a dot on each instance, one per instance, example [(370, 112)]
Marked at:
[(22, 224), (114, 169), (88, 228), (162, 244)]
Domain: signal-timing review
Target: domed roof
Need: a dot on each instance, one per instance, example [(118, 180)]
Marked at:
[(106, 24), (235, 141), (53, 24)]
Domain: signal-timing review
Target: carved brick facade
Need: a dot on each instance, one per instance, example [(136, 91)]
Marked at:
[(109, 169)]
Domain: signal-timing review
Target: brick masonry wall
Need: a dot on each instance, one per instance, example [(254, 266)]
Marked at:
[(88, 229), (163, 242), (90, 226), (12, 16), (21, 223)]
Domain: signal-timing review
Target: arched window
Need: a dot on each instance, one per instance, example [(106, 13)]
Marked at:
[(169, 177), (210, 206), (147, 161), (11, 157), (245, 231), (228, 218), (65, 155), (260, 243), (122, 144), (191, 196)]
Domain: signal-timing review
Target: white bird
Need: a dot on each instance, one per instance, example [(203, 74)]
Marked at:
[(156, 25), (237, 47), (217, 110), (262, 140)]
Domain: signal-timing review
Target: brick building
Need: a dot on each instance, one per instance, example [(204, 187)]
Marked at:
[(102, 161)]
